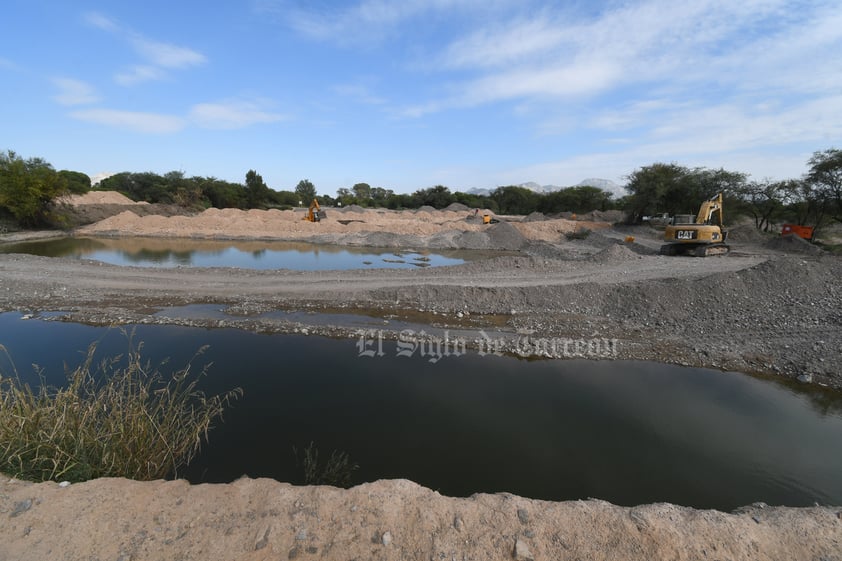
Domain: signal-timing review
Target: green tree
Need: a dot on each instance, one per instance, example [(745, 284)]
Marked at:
[(77, 182), (676, 189), (515, 200), (362, 192), (825, 176), (257, 192), (306, 191), (221, 194), (436, 197), (27, 187), (579, 199), (379, 195), (764, 200)]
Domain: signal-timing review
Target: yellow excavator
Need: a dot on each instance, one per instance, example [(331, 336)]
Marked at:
[(701, 237), (315, 212)]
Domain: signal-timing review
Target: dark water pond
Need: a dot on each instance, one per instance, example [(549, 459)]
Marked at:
[(626, 432), (153, 252)]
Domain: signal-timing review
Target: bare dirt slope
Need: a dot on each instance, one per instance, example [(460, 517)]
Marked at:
[(115, 519)]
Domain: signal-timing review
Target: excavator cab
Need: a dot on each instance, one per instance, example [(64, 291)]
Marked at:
[(315, 212)]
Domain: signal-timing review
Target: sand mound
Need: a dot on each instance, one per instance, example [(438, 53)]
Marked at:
[(793, 244), (614, 253), (426, 208), (99, 198)]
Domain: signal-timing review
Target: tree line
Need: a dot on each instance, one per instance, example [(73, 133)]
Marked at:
[(815, 199), (28, 187)]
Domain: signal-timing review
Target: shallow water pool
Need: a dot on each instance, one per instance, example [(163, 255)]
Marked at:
[(154, 252)]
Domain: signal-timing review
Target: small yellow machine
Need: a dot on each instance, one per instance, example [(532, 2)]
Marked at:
[(701, 237), (315, 212)]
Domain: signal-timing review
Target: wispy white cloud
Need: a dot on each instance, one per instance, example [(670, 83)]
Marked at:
[(166, 55), (366, 21), (138, 74), (158, 56), (132, 120), (74, 92), (102, 22), (232, 115), (359, 93), (7, 64)]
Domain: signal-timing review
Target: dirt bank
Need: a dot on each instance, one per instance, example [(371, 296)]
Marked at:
[(253, 520)]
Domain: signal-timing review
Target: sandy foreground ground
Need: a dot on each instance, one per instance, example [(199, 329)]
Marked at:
[(772, 307)]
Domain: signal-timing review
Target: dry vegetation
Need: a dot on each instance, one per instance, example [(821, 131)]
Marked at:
[(117, 418)]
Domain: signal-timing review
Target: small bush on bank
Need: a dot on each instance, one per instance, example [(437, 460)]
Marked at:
[(578, 234), (122, 418)]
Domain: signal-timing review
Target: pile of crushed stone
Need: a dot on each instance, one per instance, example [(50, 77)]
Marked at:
[(793, 244), (535, 217), (746, 233), (456, 207), (615, 253)]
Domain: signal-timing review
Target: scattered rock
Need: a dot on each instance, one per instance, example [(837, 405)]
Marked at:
[(521, 551), (263, 541), (805, 378), (523, 516), (386, 539), (21, 507)]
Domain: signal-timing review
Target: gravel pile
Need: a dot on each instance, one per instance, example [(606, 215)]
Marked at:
[(793, 244), (457, 207), (535, 217), (614, 254)]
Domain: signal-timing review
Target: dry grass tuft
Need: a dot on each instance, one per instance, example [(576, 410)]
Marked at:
[(121, 418)]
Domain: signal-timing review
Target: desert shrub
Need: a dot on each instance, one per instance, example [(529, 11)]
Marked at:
[(118, 418), (578, 234)]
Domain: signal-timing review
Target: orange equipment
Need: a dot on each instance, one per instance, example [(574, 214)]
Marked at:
[(315, 212), (805, 232)]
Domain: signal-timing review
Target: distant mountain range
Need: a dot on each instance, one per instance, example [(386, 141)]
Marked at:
[(604, 184)]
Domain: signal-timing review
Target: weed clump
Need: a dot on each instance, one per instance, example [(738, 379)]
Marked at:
[(120, 418), (337, 470)]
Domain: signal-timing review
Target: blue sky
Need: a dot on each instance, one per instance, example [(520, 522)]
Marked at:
[(406, 95)]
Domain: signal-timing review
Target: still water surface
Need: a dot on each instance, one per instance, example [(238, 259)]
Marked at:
[(153, 252), (626, 432)]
